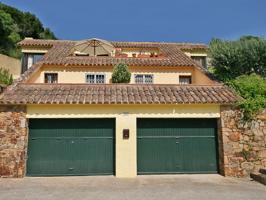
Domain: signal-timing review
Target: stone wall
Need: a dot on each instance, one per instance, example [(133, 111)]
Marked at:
[(244, 143), (13, 141)]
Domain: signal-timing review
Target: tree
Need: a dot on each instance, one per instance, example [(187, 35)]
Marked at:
[(253, 90), (47, 34), (8, 33), (16, 25), (121, 74), (5, 77), (245, 56)]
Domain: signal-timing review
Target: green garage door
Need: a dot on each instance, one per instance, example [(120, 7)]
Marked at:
[(176, 146), (70, 147)]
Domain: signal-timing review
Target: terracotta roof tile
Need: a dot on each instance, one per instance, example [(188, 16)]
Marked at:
[(118, 44), (117, 94), (60, 53)]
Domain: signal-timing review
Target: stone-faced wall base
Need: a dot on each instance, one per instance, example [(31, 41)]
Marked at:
[(242, 144), (13, 141)]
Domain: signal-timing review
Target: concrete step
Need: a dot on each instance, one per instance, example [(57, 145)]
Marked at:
[(261, 178), (263, 171)]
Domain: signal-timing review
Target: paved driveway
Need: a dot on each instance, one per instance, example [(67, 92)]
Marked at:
[(175, 187)]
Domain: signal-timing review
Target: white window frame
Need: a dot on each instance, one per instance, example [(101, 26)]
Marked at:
[(95, 74), (144, 78)]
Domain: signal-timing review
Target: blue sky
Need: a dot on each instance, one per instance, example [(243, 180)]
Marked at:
[(149, 20)]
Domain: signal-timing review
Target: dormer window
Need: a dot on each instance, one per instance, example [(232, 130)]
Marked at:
[(201, 60), (29, 59)]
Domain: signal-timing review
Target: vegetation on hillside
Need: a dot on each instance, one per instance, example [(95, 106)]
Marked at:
[(121, 74), (5, 77), (15, 25), (241, 64)]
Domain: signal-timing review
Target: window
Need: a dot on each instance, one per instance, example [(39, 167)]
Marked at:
[(201, 60), (144, 79), (102, 55), (29, 59), (184, 80), (50, 77), (95, 78)]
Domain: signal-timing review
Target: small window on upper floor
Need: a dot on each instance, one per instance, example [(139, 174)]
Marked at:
[(51, 78), (95, 78), (201, 60), (29, 59), (144, 78), (185, 80), (102, 55)]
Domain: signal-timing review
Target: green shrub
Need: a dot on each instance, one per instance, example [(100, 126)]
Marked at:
[(5, 77), (252, 88), (121, 74)]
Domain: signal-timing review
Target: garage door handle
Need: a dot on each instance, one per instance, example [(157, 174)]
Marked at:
[(70, 168)]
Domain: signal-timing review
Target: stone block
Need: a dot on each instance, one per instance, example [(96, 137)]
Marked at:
[(262, 153), (248, 166), (234, 137)]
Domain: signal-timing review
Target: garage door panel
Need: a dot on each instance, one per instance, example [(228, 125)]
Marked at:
[(42, 161), (71, 147), (197, 154), (88, 151), (71, 127), (153, 160), (190, 146), (176, 127)]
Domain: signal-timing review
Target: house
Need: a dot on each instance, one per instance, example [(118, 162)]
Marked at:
[(65, 117), (13, 65)]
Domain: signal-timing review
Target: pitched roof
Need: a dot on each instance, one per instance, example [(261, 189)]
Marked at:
[(60, 53), (117, 94), (25, 93)]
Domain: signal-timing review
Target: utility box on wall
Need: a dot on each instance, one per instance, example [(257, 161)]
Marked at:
[(125, 134)]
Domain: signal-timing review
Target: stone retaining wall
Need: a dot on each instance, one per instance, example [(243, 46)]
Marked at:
[(13, 141), (244, 143)]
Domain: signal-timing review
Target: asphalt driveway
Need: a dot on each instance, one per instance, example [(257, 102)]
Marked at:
[(162, 187)]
